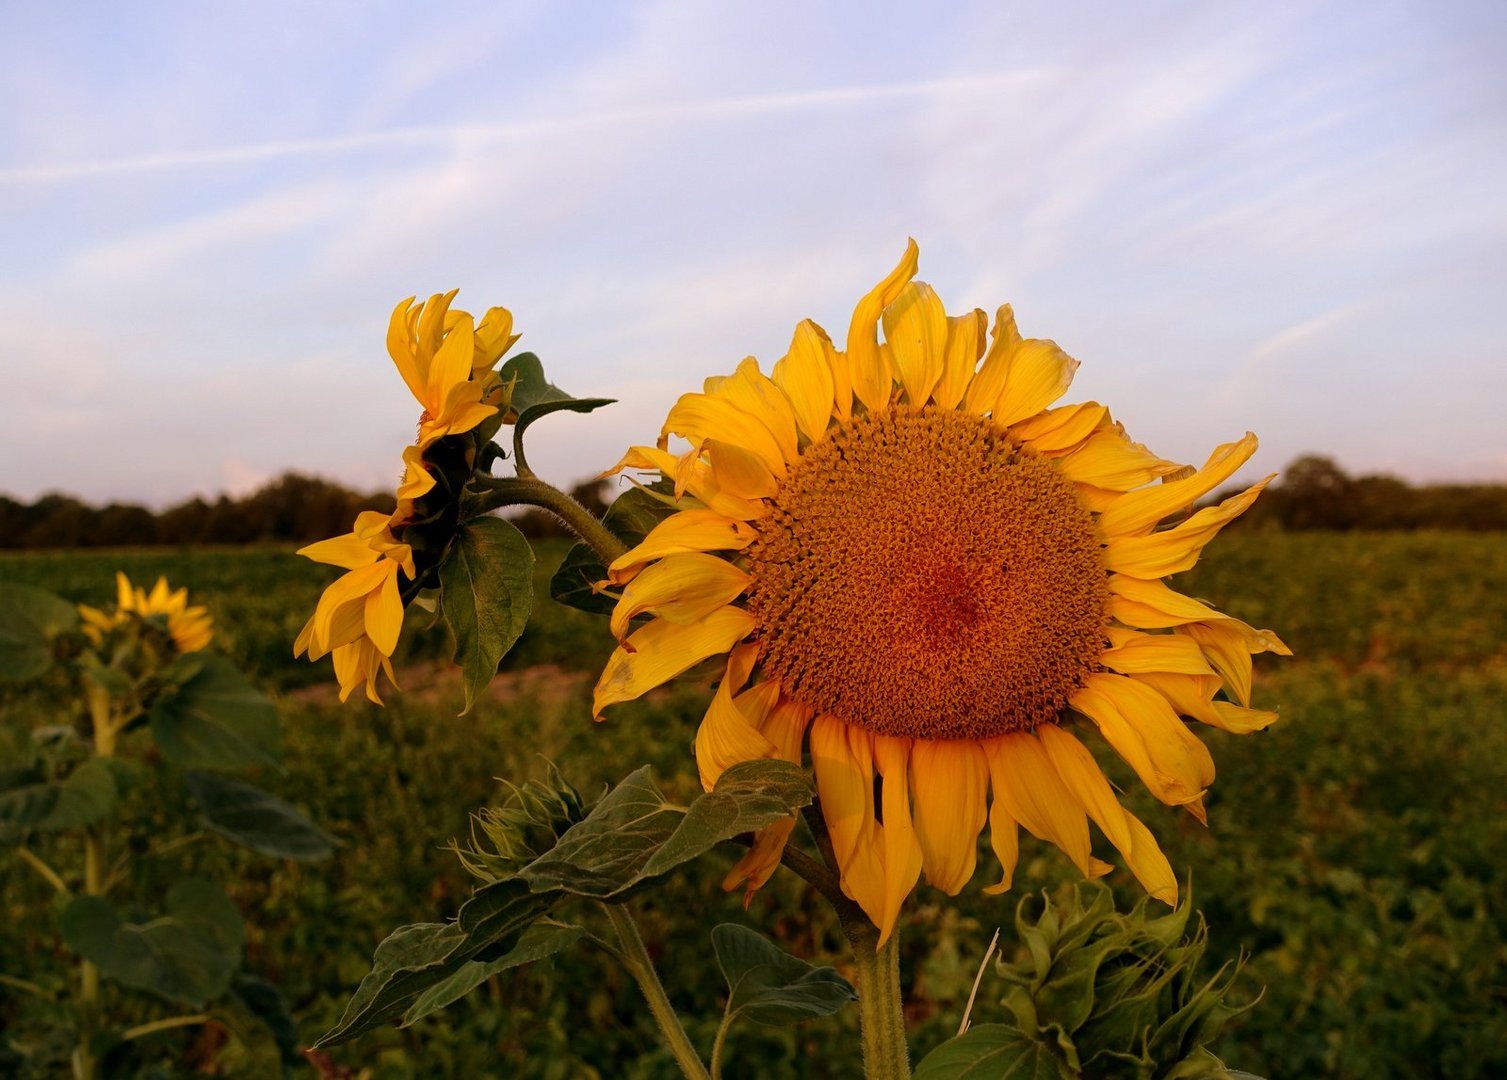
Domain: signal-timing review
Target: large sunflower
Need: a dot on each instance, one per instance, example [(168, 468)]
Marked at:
[(929, 578)]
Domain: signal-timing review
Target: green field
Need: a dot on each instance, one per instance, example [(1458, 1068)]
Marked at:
[(1356, 852)]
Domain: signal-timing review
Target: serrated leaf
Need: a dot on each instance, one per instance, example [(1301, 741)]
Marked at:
[(541, 940), (633, 835), (486, 594), (217, 720), (630, 518), (187, 956), (993, 1052), (29, 620), (257, 819), (769, 986)]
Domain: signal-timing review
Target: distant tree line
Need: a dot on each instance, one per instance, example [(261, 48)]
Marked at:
[(290, 509), (1315, 493)]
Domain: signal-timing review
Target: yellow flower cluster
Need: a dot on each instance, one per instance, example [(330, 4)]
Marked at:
[(190, 627), (446, 359)]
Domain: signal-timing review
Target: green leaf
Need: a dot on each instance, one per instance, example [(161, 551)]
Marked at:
[(408, 962), (630, 518), (530, 387), (186, 956), (993, 1052), (540, 940), (26, 798), (29, 620), (30, 803), (265, 1002), (217, 720), (257, 819), (544, 408), (486, 594), (769, 986), (634, 835)]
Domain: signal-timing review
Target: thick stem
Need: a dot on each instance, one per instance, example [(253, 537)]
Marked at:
[(886, 1056), (641, 968), (531, 491)]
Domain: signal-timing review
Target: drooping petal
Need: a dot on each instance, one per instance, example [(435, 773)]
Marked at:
[(1151, 605), (349, 552), (805, 374), (1148, 864), (661, 650), (1229, 645), (842, 758), (1143, 729), (1178, 548), (950, 782), (1004, 838), (902, 850), (1083, 777), (729, 731), (868, 365), (1109, 460), (494, 337), (1137, 512), (1034, 795), (689, 530), (1038, 374), (681, 588), (915, 328), (1156, 652)]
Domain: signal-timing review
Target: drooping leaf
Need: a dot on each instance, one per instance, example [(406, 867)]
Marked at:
[(993, 1052), (630, 518), (187, 956), (407, 962), (544, 408), (634, 835), (266, 1004), (217, 720), (88, 794), (257, 819), (540, 940), (29, 620), (767, 985), (486, 594)]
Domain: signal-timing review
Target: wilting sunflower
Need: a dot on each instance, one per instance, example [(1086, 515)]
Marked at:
[(925, 576), (190, 627), (446, 360)]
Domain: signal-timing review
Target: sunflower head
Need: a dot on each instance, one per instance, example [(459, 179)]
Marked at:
[(931, 580), (188, 628)]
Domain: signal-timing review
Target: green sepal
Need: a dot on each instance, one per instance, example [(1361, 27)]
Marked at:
[(253, 818), (630, 518), (215, 719), (29, 621), (767, 985), (486, 595), (187, 955)]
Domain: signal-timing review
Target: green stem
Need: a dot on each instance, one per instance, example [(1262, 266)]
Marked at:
[(641, 968), (48, 874), (717, 1046), (531, 491), (102, 718), (885, 1053), (163, 1025)]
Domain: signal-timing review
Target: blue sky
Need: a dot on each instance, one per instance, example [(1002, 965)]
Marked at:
[(1284, 218)]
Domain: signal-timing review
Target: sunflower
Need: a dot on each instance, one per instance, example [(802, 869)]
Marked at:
[(446, 359), (932, 581), (190, 627)]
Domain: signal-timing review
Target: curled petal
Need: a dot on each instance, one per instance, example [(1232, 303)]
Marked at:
[(661, 650)]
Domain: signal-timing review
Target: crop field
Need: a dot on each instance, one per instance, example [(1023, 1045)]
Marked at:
[(1356, 852)]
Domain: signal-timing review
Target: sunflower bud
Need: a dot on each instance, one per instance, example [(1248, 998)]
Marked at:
[(1118, 995), (506, 838)]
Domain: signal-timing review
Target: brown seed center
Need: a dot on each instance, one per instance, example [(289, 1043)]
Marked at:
[(920, 575)]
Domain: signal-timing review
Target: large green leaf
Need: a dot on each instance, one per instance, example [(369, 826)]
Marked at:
[(31, 803), (29, 620), (217, 720), (767, 985), (630, 518), (537, 942), (634, 835), (486, 594), (409, 961), (257, 819), (993, 1052), (187, 956)]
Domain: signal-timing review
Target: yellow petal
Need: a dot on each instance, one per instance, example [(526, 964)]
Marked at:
[(1156, 652), (842, 757), (759, 396), (1152, 605), (1240, 721), (384, 612), (349, 551), (983, 392), (340, 616), (494, 337), (689, 530), (1034, 795), (868, 365), (762, 860), (1108, 460), (1038, 373), (1189, 695), (965, 344), (681, 588), (740, 472), (1229, 645), (915, 328), (902, 850), (1137, 512), (1148, 864), (1178, 548), (1004, 838), (1083, 777), (661, 650), (1060, 430), (699, 417), (729, 731), (125, 596), (1143, 729), (805, 374), (950, 781), (400, 347)]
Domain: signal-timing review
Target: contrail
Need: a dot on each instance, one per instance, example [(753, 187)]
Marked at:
[(716, 108)]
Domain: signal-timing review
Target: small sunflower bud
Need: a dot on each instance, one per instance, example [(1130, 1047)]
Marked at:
[(508, 837)]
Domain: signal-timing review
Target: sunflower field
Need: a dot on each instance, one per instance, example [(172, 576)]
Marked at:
[(1352, 856)]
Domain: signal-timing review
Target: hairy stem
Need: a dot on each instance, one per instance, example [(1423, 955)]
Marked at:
[(637, 961), (886, 1056), (531, 491)]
